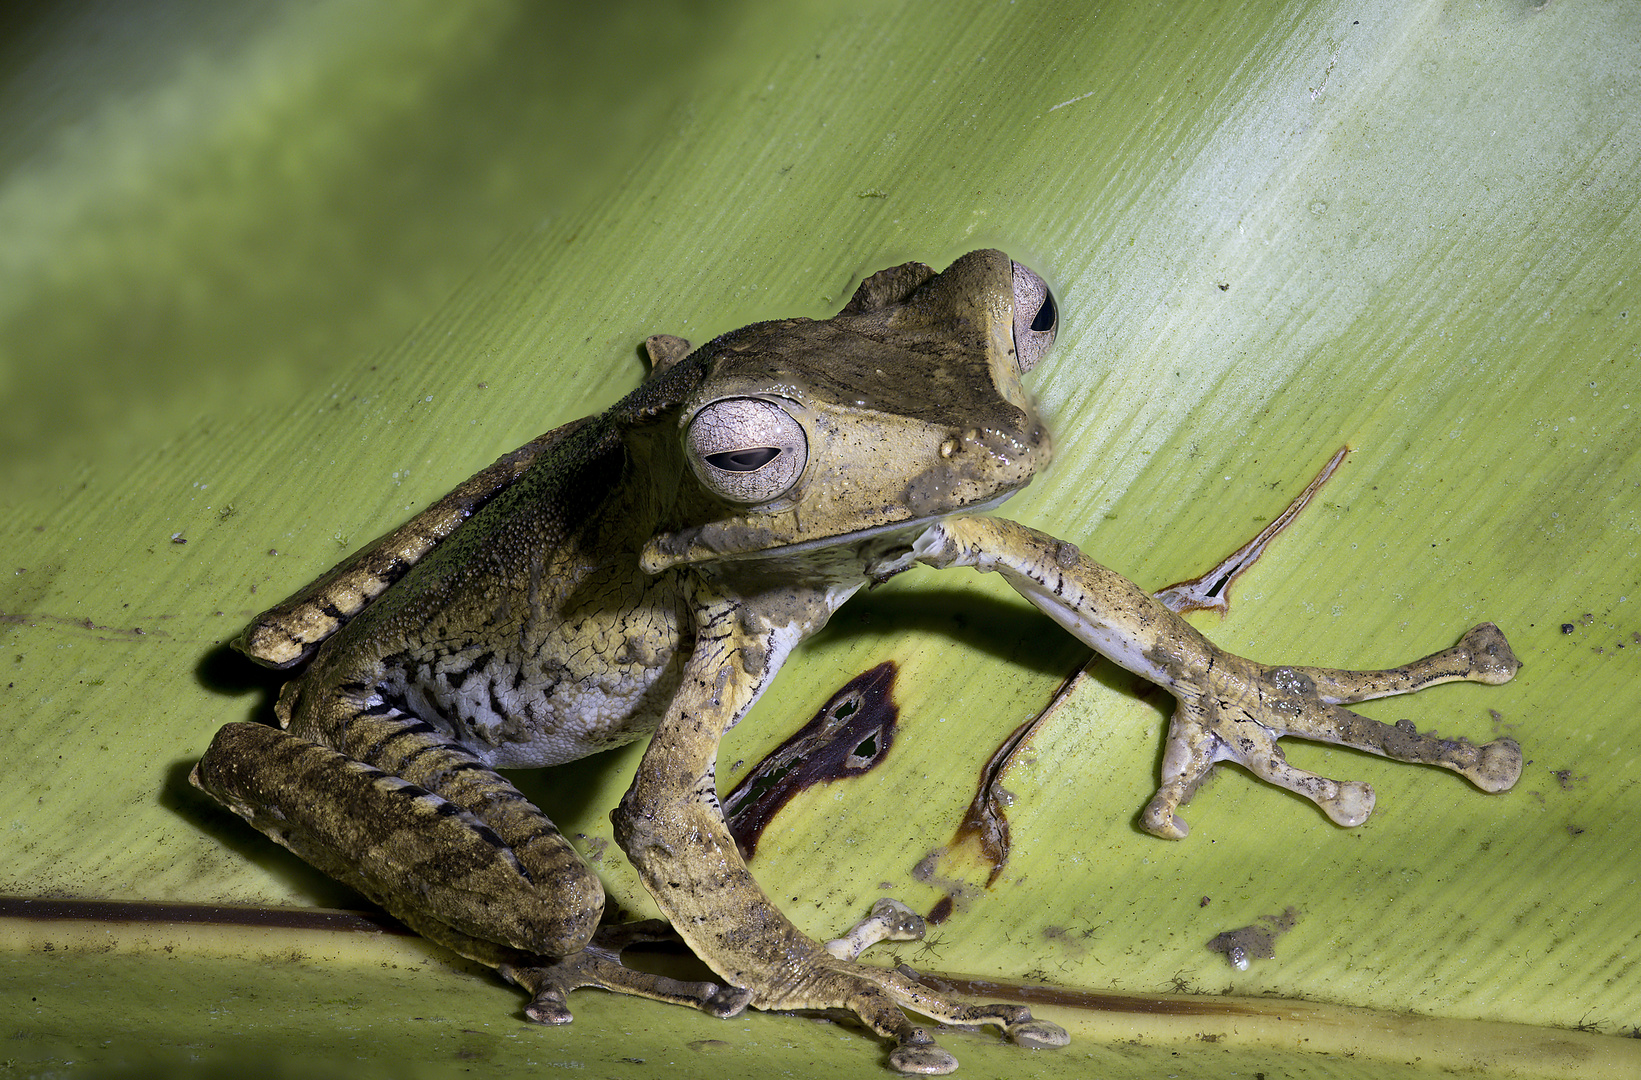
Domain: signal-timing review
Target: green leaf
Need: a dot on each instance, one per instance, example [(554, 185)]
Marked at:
[(276, 276)]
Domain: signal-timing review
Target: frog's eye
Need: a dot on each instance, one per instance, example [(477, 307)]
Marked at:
[(746, 449), (1035, 317)]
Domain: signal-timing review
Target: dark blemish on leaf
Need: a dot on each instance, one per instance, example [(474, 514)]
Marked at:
[(849, 736), (98, 631), (941, 911), (42, 910), (1567, 628), (958, 892)]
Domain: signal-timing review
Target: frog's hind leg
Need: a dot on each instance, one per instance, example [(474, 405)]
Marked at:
[(451, 850), (915, 1051), (444, 844), (1306, 703)]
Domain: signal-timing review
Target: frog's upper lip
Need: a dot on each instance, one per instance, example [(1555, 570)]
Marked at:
[(689, 547)]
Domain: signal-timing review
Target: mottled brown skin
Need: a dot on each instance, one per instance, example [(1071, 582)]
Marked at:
[(648, 570)]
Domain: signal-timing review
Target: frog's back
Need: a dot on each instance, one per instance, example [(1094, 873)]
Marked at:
[(530, 633), (290, 632)]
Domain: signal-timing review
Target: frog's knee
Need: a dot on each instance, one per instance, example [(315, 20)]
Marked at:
[(635, 818), (571, 908)]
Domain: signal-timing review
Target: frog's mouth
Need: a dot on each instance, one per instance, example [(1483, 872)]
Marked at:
[(971, 470), (746, 539)]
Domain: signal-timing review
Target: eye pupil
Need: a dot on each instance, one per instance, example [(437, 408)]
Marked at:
[(743, 461), (1046, 315)]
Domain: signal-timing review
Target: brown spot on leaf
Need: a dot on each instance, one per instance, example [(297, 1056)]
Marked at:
[(98, 631), (986, 820)]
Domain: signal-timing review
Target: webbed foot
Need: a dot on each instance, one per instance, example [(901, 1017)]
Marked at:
[(1241, 708), (599, 964), (878, 996)]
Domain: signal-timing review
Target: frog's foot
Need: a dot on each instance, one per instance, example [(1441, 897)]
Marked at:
[(549, 983), (878, 996), (890, 920), (1244, 707)]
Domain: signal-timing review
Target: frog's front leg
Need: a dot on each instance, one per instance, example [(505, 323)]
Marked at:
[(672, 827), (1231, 708), (440, 840)]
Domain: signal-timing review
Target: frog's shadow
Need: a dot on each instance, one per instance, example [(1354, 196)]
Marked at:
[(1008, 629)]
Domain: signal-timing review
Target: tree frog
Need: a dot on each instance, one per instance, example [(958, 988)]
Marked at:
[(645, 572)]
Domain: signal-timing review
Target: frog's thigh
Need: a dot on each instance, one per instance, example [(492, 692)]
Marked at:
[(451, 849)]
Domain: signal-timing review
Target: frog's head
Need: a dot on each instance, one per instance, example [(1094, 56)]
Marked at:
[(904, 407)]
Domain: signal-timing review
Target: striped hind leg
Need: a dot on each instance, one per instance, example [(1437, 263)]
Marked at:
[(441, 841)]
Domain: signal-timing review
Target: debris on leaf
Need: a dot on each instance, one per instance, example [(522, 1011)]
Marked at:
[(1246, 944)]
